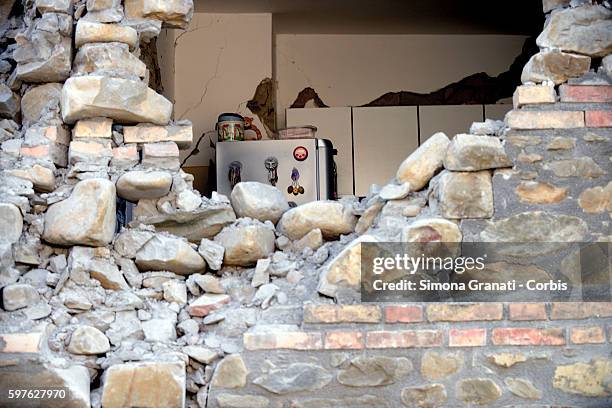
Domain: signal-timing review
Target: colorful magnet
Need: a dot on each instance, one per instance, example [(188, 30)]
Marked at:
[(295, 187), (300, 153)]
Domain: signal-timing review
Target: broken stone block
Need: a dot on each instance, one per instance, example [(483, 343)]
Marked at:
[(9, 102), (555, 66), (312, 240), (96, 128), (144, 384), (201, 354), (108, 59), (432, 230), (473, 153), (136, 185), (465, 194), (212, 253), (366, 371), (478, 391), (11, 223), (331, 217), (488, 127), (40, 105), (124, 100), (188, 200), (231, 372), (42, 178), (246, 242), (54, 6), (424, 162), (89, 341), (207, 303), (523, 388), (159, 330), (104, 11), (18, 295), (295, 377), (108, 275), (583, 30), (45, 52), (166, 253), (125, 157), (129, 241), (437, 366), (175, 291), (259, 201), (162, 155), (182, 135), (91, 152), (87, 217), (47, 143), (394, 191), (430, 395), (174, 13), (93, 32)]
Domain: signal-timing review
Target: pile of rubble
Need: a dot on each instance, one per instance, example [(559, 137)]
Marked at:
[(154, 312)]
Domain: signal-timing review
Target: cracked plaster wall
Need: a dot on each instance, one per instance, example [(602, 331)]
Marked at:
[(219, 61)]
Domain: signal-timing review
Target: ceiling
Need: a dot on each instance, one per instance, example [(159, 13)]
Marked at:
[(517, 17)]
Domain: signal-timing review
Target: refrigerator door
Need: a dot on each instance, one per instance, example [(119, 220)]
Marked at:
[(294, 163)]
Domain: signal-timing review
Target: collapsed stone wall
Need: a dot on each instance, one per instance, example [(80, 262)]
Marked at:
[(242, 302)]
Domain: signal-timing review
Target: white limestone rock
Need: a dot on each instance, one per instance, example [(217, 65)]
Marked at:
[(18, 295), (108, 59), (87, 217), (159, 330), (173, 13), (94, 32), (167, 253), (331, 217), (136, 185), (88, 340), (424, 162), (394, 191), (259, 201), (473, 153), (129, 241), (212, 252), (246, 241), (11, 223)]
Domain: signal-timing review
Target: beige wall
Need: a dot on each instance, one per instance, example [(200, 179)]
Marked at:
[(219, 61), (351, 70)]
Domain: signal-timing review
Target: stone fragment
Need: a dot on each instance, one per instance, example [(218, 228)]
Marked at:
[(242, 401), (9, 102), (424, 396), (144, 384), (583, 30), (473, 153), (424, 162), (588, 379), (207, 303), (125, 157), (478, 391), (578, 167), (40, 105), (507, 359), (96, 128), (167, 253), (212, 253), (533, 192), (136, 185), (129, 241), (201, 354), (54, 6), (295, 377), (188, 200), (261, 276), (209, 283), (561, 143), (18, 295), (596, 200), (89, 341), (368, 217), (527, 95), (374, 371), (104, 11), (124, 100), (259, 201), (108, 275), (96, 153), (175, 13), (111, 59), (182, 135), (11, 223), (175, 291), (523, 388), (231, 372), (394, 191), (488, 127), (436, 366), (42, 178), (162, 155), (94, 32), (465, 194), (331, 217), (87, 217), (555, 66), (246, 242), (159, 330), (344, 271), (432, 230), (312, 240)]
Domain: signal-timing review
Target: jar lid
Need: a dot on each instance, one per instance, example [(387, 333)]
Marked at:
[(229, 116)]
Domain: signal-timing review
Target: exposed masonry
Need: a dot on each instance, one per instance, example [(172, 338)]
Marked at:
[(242, 302)]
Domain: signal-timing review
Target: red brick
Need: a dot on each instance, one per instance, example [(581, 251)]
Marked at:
[(527, 336), (584, 93), (126, 152), (53, 152), (521, 119), (467, 337), (587, 335), (403, 314), (575, 310), (283, 340), (404, 339), (527, 311), (600, 119), (20, 342), (342, 314), (462, 312), (343, 340)]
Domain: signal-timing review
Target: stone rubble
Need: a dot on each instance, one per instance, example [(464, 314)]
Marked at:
[(214, 301)]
